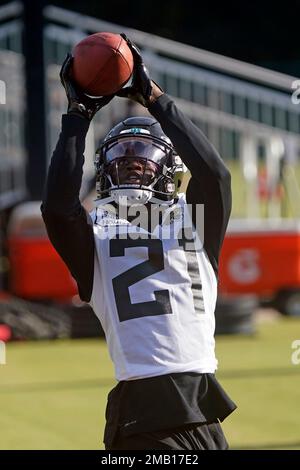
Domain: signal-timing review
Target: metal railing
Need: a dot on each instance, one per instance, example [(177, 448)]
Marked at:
[(242, 108), (174, 49), (12, 149), (233, 102), (212, 81)]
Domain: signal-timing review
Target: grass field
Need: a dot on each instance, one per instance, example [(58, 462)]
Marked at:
[(53, 394)]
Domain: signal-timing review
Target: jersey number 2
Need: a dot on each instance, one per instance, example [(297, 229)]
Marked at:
[(121, 283)]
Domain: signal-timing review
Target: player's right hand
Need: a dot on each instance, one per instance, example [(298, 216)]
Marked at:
[(78, 102), (143, 90)]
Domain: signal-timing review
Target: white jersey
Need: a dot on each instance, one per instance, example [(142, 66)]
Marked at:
[(155, 297)]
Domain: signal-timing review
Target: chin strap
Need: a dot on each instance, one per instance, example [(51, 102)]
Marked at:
[(129, 197)]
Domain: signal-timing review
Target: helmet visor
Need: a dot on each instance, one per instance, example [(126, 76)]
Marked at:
[(136, 147)]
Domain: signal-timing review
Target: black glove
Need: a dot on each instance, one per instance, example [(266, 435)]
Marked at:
[(141, 85), (78, 102)]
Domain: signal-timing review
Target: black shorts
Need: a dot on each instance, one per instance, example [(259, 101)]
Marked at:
[(207, 436)]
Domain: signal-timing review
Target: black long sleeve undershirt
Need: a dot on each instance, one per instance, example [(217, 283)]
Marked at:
[(70, 227), (210, 179)]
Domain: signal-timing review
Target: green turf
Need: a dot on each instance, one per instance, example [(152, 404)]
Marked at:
[(53, 394), (257, 372)]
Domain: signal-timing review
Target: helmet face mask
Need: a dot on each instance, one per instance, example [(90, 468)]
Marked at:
[(136, 163), (132, 170)]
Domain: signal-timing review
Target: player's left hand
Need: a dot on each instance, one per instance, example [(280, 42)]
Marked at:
[(143, 90), (78, 102)]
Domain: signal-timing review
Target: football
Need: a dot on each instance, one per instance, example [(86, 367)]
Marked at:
[(102, 64)]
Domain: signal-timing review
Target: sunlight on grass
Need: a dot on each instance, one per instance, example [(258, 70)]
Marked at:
[(53, 394)]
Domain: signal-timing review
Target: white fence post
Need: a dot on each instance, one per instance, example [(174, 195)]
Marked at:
[(2, 353), (2, 92)]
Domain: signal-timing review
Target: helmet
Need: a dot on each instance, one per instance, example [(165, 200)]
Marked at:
[(138, 139)]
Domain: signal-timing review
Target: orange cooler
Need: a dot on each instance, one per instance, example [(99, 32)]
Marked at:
[(260, 257), (36, 270)]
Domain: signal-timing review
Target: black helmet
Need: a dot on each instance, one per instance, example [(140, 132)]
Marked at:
[(139, 138)]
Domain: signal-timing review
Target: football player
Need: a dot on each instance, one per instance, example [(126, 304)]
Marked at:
[(153, 286)]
